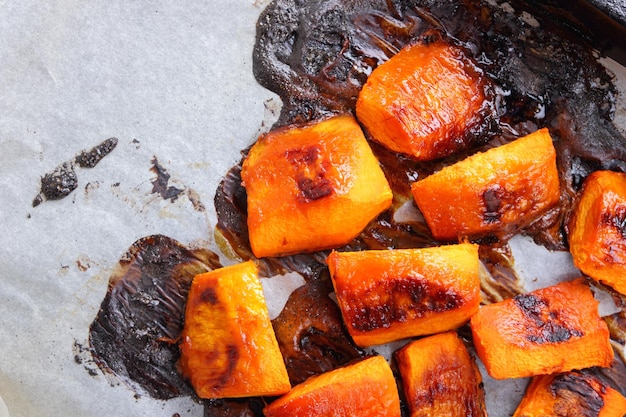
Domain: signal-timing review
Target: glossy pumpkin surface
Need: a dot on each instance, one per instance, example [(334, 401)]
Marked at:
[(597, 229), (549, 330), (366, 388), (496, 191), (312, 187), (228, 347), (386, 295)]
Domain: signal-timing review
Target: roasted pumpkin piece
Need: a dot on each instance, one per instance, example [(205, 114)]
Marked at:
[(570, 394), (494, 192), (228, 347), (428, 101), (366, 388), (597, 229), (312, 187), (440, 378), (387, 295), (549, 330)]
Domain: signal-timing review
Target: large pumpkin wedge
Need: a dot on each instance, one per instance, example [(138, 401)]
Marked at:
[(597, 229), (228, 347), (312, 187), (570, 394), (549, 330), (440, 377), (366, 389), (386, 295), (429, 100), (496, 192)]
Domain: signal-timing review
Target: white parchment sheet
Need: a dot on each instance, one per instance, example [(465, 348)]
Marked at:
[(172, 81)]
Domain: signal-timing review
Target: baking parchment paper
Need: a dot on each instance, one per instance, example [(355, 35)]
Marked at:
[(173, 82)]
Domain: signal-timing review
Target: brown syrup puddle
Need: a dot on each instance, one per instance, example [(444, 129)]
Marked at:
[(316, 56)]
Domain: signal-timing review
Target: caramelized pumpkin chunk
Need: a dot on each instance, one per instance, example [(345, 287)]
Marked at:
[(427, 101), (597, 229), (366, 388), (497, 191), (386, 295), (440, 378), (570, 394), (228, 347), (311, 188), (550, 330)]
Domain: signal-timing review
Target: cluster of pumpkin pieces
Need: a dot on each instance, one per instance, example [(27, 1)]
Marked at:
[(316, 187)]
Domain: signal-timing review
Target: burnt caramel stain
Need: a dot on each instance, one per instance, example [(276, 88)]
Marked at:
[(141, 317), (90, 158), (160, 185), (311, 334), (57, 184), (63, 179), (577, 394), (242, 407), (310, 173), (399, 300), (549, 327), (501, 280)]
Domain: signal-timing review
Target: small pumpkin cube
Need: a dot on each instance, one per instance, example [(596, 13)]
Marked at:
[(570, 394), (497, 191), (387, 295), (549, 330), (311, 188), (440, 378), (428, 101), (228, 346), (597, 229), (366, 388)]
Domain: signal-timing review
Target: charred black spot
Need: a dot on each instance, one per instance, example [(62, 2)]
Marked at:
[(209, 296), (399, 301), (312, 189), (310, 173), (232, 353), (549, 328), (617, 219), (492, 199), (577, 394), (530, 304)]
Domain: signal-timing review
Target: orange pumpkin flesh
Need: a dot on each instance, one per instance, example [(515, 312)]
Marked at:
[(550, 330), (228, 346), (440, 378), (366, 389), (312, 188), (570, 394), (497, 191), (423, 100), (597, 229), (386, 295)]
